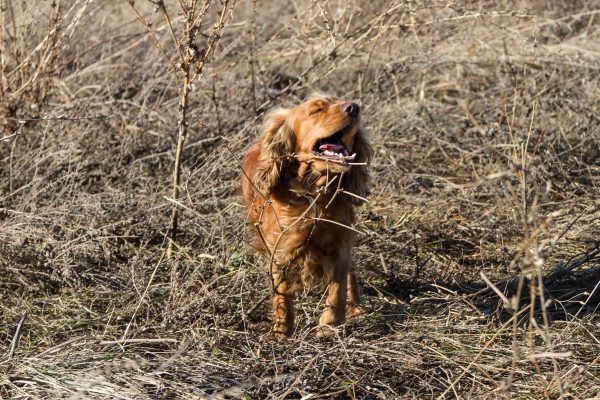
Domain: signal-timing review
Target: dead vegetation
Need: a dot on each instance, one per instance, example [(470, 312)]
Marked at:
[(480, 255)]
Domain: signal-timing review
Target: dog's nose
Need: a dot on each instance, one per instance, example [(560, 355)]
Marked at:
[(352, 109)]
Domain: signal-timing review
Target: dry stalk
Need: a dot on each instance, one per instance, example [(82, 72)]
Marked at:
[(15, 340), (253, 56), (59, 118), (191, 62), (3, 10), (155, 38), (326, 22), (216, 101), (142, 297)]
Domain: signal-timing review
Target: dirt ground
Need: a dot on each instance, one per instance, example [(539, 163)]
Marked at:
[(479, 251)]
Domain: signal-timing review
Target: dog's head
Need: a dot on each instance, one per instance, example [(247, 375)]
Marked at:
[(318, 139)]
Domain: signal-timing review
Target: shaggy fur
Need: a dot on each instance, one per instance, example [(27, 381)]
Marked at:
[(301, 202)]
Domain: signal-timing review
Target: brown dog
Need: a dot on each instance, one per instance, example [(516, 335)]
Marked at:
[(300, 183)]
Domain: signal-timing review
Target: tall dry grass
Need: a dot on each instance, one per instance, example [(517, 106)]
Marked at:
[(480, 259)]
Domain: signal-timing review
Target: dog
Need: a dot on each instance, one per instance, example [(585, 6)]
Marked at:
[(301, 181)]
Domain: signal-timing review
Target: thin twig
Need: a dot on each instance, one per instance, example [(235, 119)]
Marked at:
[(253, 56), (143, 296), (98, 117), (339, 224), (136, 341), (15, 340)]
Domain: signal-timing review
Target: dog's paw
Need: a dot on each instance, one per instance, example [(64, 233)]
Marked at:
[(275, 336), (326, 332), (279, 332), (353, 311)]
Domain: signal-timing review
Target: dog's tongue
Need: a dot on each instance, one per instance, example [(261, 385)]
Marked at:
[(336, 148)]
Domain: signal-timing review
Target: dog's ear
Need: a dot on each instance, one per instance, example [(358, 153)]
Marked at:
[(277, 144), (358, 180)]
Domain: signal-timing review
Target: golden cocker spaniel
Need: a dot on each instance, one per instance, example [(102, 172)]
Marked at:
[(300, 183)]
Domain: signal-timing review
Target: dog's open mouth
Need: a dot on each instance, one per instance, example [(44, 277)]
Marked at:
[(332, 148)]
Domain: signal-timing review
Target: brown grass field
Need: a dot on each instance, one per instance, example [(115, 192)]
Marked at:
[(480, 247)]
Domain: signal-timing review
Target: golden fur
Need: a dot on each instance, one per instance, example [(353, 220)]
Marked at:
[(300, 203)]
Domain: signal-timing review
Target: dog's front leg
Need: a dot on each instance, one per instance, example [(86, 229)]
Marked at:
[(283, 310), (353, 307), (335, 312)]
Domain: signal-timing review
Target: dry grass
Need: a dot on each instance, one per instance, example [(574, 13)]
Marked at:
[(481, 252)]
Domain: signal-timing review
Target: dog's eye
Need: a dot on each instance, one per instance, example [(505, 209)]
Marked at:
[(315, 111)]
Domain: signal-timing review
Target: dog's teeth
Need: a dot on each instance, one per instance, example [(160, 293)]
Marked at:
[(336, 156)]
